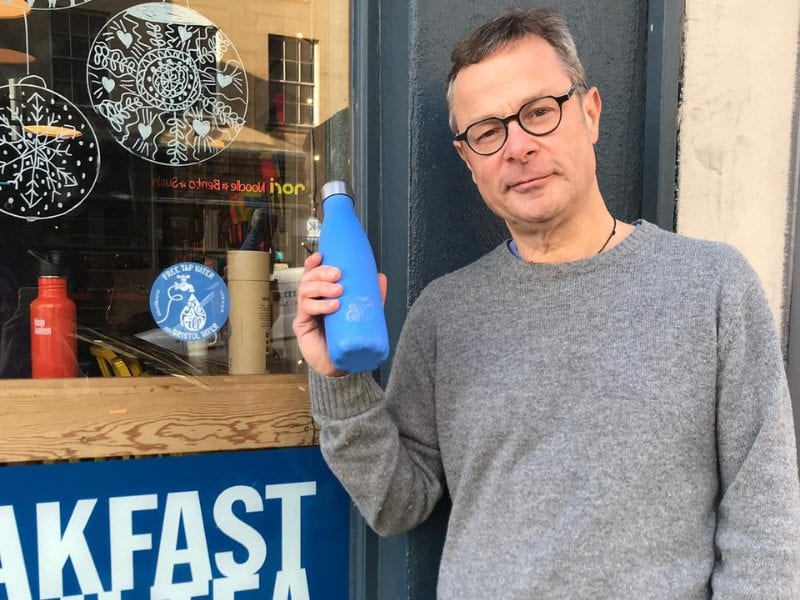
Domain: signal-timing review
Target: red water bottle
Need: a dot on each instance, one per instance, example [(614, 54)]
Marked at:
[(54, 348)]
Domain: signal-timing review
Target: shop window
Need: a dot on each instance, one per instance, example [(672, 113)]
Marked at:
[(71, 32), (138, 138), (291, 85)]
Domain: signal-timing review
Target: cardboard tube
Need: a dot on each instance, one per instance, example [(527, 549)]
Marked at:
[(250, 316)]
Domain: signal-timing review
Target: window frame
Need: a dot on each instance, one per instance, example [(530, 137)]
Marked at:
[(284, 82)]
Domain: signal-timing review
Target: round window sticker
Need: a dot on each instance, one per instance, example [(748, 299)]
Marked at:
[(189, 301)]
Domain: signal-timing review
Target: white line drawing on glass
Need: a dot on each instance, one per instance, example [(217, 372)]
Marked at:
[(55, 4), (170, 84), (193, 316), (49, 155)]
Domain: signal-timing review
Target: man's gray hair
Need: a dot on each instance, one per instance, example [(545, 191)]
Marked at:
[(509, 27)]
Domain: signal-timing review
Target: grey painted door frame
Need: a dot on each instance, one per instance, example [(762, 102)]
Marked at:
[(405, 567), (664, 58), (792, 315)]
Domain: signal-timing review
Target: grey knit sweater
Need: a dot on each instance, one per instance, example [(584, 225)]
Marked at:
[(614, 427)]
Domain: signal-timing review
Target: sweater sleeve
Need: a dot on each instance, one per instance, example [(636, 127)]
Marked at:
[(383, 446), (758, 519)]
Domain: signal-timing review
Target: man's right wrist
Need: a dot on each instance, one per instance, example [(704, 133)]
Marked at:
[(342, 397)]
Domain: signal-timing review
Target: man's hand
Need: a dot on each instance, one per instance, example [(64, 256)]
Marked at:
[(317, 295)]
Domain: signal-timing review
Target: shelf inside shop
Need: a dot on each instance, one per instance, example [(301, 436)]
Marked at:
[(15, 57), (14, 9)]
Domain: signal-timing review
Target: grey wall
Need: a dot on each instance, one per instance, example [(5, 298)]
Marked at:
[(423, 213)]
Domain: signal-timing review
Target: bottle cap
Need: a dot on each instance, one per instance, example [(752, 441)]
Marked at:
[(52, 266), (335, 187)]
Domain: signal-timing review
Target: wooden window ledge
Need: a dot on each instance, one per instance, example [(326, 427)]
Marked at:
[(62, 419)]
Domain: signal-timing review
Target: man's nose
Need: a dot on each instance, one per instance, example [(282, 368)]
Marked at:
[(520, 144)]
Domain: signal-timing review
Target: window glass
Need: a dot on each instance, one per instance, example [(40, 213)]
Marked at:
[(307, 73), (291, 50), (145, 148)]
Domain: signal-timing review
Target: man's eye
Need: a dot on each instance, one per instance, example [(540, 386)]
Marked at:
[(536, 113), (486, 134)]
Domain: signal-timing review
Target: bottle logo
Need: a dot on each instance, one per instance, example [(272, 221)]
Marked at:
[(40, 327), (189, 301), (360, 310)]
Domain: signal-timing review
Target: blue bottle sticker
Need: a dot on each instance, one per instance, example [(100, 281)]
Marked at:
[(189, 301)]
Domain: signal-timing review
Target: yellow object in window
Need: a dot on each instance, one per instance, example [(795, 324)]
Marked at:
[(112, 365)]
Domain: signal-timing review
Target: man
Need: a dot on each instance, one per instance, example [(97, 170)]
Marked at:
[(606, 402)]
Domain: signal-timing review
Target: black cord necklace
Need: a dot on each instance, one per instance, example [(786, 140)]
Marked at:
[(613, 231)]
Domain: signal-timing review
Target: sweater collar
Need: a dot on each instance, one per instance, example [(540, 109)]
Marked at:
[(644, 231)]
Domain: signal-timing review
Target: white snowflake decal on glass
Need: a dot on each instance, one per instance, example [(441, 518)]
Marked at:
[(49, 156), (169, 82), (55, 4)]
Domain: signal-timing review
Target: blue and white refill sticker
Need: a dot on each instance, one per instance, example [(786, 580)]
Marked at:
[(189, 301)]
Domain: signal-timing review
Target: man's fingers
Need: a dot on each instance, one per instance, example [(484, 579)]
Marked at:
[(320, 273), (312, 261), (319, 290), (317, 283), (314, 307)]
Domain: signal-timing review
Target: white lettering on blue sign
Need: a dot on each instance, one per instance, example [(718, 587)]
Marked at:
[(12, 564), (240, 532), (182, 511), (56, 547), (182, 546), (123, 541), (291, 578)]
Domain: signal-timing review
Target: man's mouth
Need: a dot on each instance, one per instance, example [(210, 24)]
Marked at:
[(529, 183)]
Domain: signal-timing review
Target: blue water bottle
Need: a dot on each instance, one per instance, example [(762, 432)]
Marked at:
[(356, 333)]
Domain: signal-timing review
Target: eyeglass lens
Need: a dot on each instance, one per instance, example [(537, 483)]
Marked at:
[(538, 117)]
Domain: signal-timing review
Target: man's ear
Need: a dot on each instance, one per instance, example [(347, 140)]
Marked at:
[(461, 152), (592, 107)]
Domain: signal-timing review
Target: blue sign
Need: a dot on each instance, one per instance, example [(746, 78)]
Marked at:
[(230, 526), (189, 301)]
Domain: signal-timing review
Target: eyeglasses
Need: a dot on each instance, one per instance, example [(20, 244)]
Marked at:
[(537, 117)]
